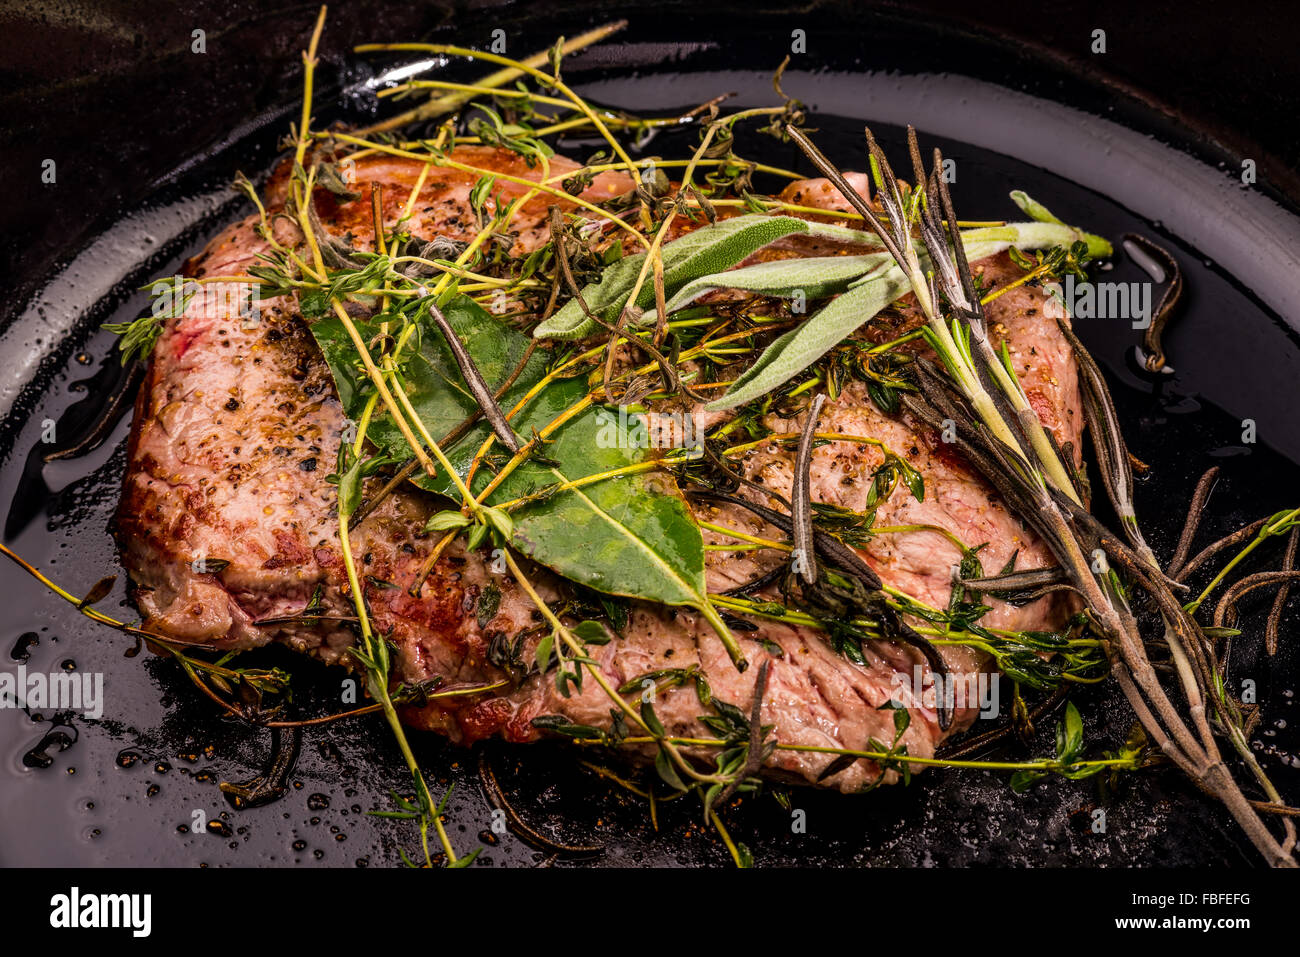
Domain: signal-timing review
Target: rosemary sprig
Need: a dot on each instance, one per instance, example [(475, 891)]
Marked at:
[(1072, 533)]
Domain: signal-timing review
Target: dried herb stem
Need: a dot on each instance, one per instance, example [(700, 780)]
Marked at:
[(500, 78)]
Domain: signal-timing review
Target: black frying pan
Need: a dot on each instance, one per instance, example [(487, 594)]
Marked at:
[(146, 134)]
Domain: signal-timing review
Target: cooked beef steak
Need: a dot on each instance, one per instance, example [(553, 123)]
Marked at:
[(238, 425)]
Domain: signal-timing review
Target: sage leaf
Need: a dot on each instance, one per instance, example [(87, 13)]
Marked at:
[(816, 278), (805, 344), (603, 297), (708, 250), (843, 234)]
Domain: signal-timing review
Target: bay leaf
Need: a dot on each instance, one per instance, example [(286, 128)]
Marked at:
[(631, 536)]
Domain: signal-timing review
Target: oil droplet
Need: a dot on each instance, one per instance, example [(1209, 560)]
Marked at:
[(39, 757), (22, 647), (318, 802)]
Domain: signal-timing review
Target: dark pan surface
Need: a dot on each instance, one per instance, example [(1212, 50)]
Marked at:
[(125, 789)]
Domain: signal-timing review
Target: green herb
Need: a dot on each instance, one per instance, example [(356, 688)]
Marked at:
[(629, 536), (1069, 762), (702, 252), (879, 283), (171, 298)]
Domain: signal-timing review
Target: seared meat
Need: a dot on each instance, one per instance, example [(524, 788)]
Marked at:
[(238, 425)]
